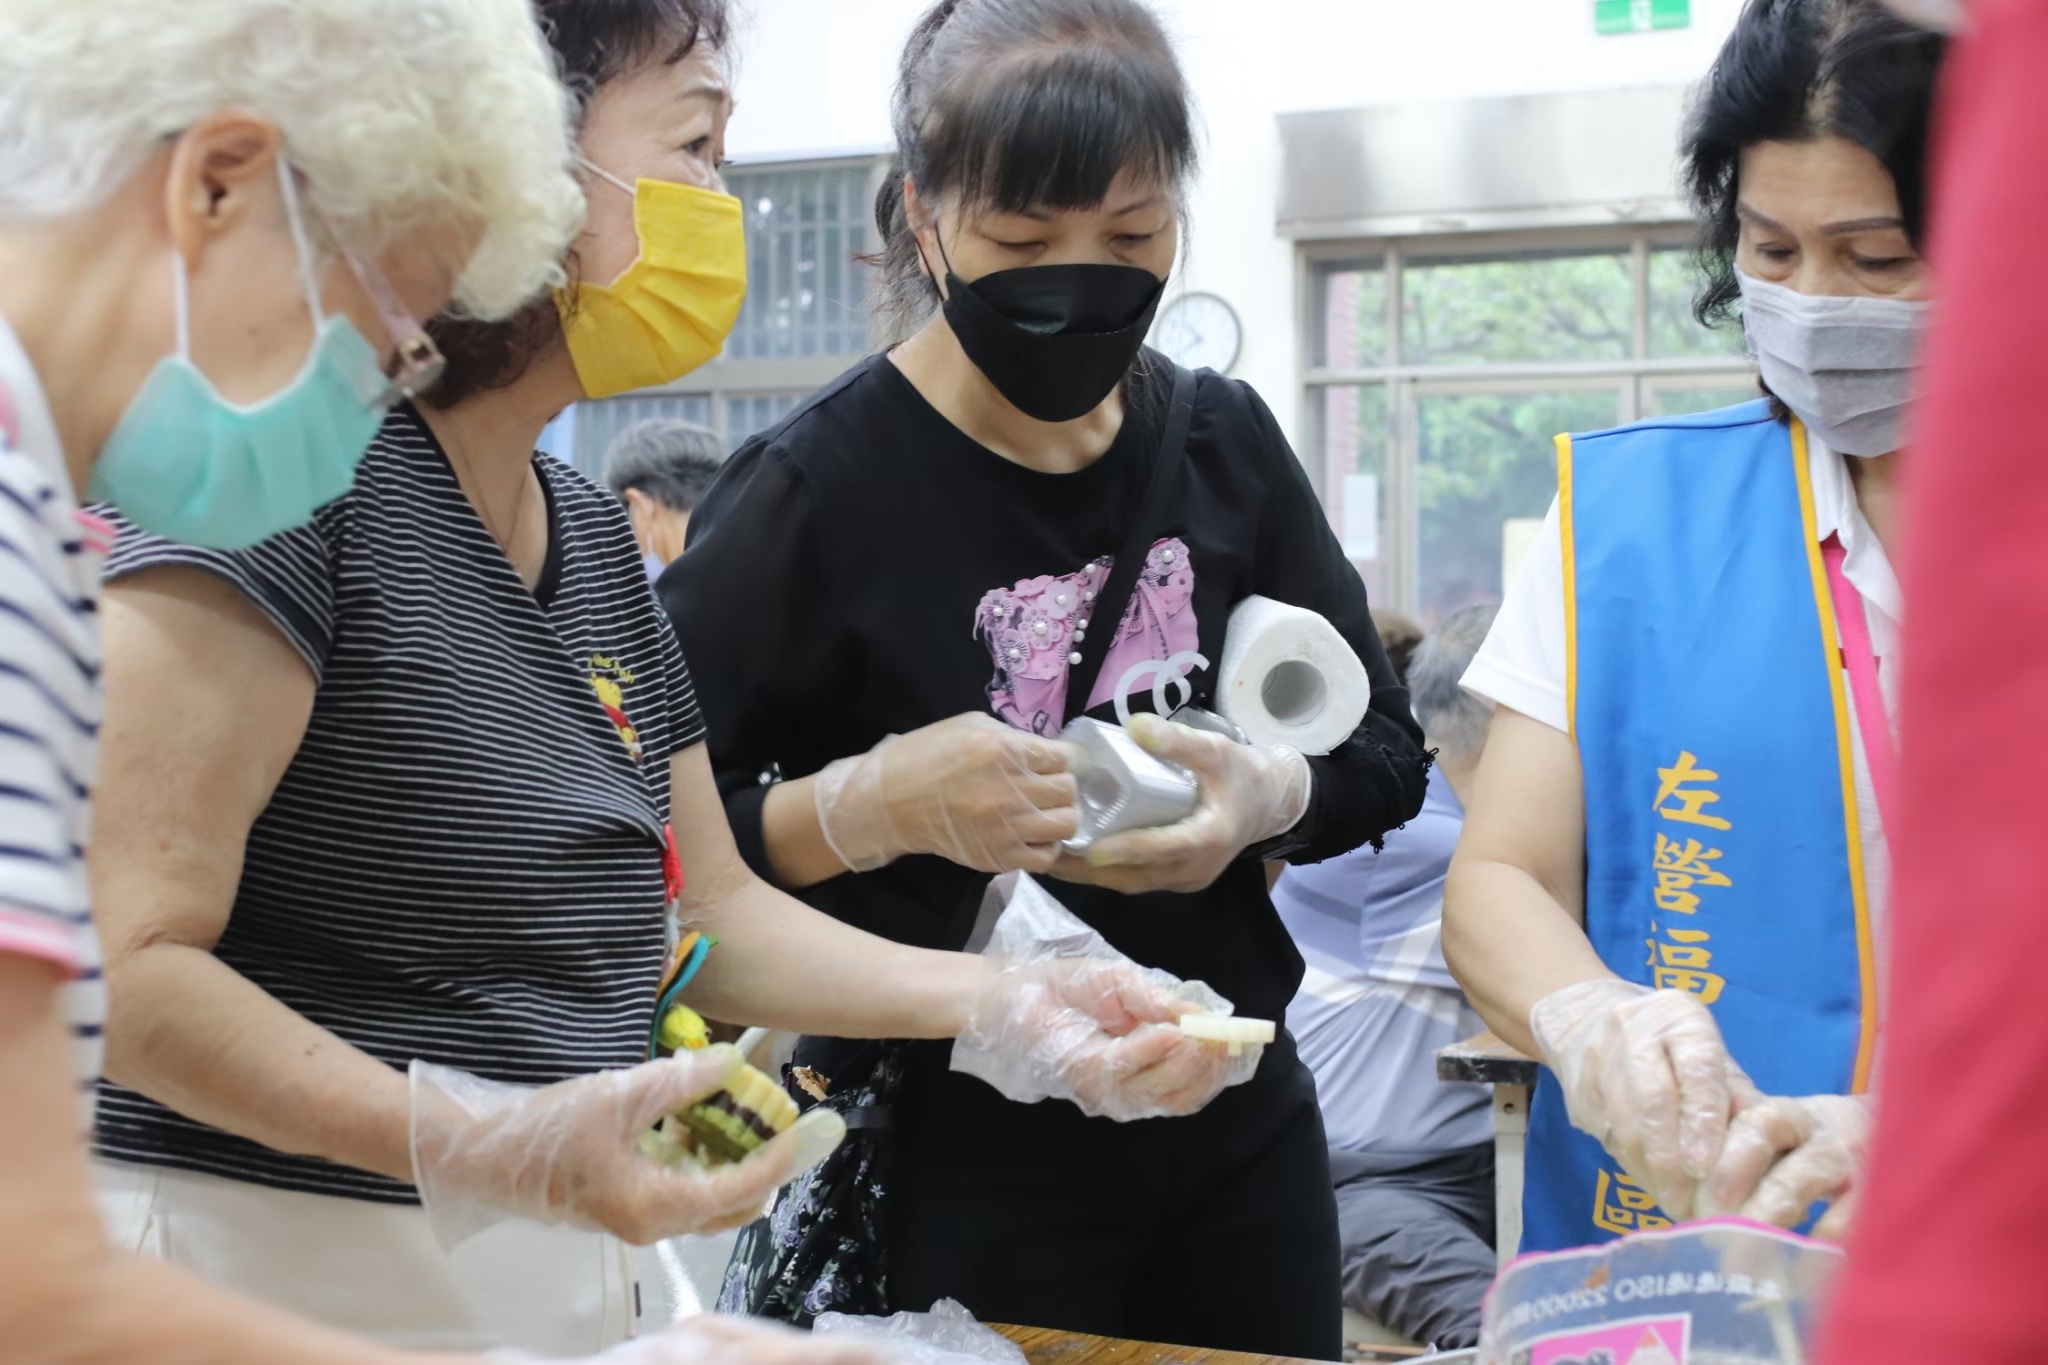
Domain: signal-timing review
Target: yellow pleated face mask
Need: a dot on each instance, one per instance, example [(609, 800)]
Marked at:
[(672, 309)]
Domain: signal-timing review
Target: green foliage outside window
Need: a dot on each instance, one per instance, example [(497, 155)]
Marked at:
[(1485, 459), (1674, 282), (1541, 309)]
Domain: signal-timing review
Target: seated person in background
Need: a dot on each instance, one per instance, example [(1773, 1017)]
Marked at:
[(660, 468), (1400, 634), (1411, 1157)]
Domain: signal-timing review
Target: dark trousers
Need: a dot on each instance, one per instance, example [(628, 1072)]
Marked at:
[(1418, 1243), (1215, 1231)]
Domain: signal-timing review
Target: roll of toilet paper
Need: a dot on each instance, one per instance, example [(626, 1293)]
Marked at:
[(1288, 677)]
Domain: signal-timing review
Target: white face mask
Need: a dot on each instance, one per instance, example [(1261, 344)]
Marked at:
[(1845, 366)]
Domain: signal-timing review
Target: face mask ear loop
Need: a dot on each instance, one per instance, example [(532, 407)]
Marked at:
[(601, 173), (939, 286), (299, 241), (181, 305)]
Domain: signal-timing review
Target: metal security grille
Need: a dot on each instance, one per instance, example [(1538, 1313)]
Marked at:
[(805, 319), (806, 293), (598, 423), (757, 412)]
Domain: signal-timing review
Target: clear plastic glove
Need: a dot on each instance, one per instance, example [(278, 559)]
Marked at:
[(1647, 1073), (1249, 793), (715, 1339), (1062, 1015), (970, 789), (571, 1153), (1785, 1155)]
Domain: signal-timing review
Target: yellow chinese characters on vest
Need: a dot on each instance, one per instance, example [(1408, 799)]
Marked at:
[(1621, 1206), (1681, 955)]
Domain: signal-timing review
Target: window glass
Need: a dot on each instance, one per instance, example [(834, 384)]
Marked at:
[(806, 292), (1351, 332), (1353, 432), (1674, 283), (1678, 402), (1541, 308), (1488, 467), (600, 420)]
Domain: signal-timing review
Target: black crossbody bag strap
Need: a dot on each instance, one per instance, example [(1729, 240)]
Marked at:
[(1106, 613)]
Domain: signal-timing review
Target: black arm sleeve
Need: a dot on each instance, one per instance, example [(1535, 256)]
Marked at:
[(754, 611), (1374, 781)]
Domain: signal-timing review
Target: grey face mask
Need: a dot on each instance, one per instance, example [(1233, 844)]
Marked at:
[(1845, 366)]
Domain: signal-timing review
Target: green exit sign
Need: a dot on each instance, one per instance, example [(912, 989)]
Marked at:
[(1640, 16)]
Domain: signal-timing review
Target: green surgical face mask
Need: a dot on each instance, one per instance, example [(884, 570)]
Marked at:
[(187, 464)]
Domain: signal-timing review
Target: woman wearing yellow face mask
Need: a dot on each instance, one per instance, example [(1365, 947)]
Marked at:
[(671, 309), (386, 852)]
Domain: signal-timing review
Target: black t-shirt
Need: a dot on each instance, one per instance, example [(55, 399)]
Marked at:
[(860, 571), (463, 861)]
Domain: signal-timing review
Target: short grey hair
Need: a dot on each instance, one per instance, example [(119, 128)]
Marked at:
[(672, 461), (1455, 720)]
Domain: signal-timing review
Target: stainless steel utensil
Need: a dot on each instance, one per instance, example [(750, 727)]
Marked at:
[(1123, 787)]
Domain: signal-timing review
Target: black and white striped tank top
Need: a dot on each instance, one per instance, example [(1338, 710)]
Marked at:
[(463, 862)]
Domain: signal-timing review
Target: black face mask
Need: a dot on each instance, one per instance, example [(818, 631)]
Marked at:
[(1054, 339)]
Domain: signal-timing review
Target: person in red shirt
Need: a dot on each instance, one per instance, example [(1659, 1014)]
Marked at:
[(1949, 1251)]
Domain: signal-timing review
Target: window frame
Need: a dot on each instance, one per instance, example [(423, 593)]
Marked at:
[(726, 381), (1637, 379)]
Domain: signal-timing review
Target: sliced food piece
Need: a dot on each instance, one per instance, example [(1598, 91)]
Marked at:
[(738, 1119), (1234, 1033)]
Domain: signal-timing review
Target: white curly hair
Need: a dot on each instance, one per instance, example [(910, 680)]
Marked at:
[(398, 112)]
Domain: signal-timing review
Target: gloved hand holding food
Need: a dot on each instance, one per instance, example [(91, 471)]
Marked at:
[(1647, 1073), (718, 1339), (1248, 793), (584, 1152), (970, 789), (1062, 1015), (1784, 1155)]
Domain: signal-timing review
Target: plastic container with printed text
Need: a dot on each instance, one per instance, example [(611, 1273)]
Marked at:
[(1721, 1292)]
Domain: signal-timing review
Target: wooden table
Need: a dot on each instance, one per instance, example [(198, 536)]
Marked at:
[(1049, 1346), (1488, 1061)]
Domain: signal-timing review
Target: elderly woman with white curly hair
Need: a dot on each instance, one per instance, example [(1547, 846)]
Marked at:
[(220, 225)]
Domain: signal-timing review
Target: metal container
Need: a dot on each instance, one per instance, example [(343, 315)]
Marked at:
[(1123, 787), (1200, 718)]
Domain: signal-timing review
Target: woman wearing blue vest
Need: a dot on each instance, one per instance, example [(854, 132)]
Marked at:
[(1672, 880)]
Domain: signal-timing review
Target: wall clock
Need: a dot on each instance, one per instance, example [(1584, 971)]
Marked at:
[(1200, 331)]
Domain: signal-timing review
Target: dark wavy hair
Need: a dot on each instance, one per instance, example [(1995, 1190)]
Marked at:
[(1793, 71), (595, 41), (1018, 105)]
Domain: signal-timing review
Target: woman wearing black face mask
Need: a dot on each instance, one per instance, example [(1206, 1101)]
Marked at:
[(884, 601)]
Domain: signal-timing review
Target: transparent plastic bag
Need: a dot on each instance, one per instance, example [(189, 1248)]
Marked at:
[(1063, 1015), (1722, 1292), (948, 1335)]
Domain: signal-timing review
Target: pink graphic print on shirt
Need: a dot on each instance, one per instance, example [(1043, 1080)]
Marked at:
[(1029, 630)]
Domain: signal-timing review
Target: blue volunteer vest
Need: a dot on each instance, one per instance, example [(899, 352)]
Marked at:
[(1708, 705)]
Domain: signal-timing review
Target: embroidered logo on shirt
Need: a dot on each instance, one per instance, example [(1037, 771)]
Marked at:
[(609, 679), (1032, 631)]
